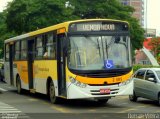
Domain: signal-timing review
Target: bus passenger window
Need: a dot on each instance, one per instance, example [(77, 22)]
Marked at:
[(7, 52), (50, 50), (23, 49), (39, 47), (17, 50)]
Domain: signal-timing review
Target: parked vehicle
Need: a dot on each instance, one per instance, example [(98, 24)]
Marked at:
[(146, 84), (2, 71)]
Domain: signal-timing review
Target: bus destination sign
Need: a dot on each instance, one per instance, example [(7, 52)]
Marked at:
[(98, 26)]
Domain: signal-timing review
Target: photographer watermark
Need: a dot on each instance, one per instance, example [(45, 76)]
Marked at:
[(144, 116), (9, 115)]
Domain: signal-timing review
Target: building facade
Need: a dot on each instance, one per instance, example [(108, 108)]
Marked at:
[(138, 5)]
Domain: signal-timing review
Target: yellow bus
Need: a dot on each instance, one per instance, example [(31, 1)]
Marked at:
[(79, 59)]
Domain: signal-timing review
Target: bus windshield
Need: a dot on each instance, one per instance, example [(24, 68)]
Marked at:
[(97, 52)]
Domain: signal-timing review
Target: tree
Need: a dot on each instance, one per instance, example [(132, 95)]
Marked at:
[(4, 33), (23, 16), (110, 9), (155, 43), (28, 15)]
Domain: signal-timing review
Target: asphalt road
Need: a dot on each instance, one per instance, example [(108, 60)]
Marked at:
[(37, 106)]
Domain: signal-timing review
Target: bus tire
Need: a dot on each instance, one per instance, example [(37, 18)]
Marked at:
[(102, 101), (133, 97), (52, 95), (19, 88)]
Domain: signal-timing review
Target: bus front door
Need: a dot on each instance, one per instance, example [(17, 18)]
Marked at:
[(31, 46), (11, 63), (61, 66)]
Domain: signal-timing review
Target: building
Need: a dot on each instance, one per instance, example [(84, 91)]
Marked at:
[(139, 9), (150, 33)]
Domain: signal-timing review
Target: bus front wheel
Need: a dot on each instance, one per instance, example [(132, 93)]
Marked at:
[(52, 95)]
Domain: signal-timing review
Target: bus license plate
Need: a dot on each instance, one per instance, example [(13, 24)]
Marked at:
[(103, 91)]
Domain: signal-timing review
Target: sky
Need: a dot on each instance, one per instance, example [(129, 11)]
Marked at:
[(153, 15), (152, 18)]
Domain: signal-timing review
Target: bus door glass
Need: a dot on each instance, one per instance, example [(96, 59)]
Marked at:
[(9, 63), (31, 47), (61, 65)]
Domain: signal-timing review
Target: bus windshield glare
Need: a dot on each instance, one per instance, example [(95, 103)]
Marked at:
[(97, 52)]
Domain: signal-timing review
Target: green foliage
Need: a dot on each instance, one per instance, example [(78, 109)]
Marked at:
[(23, 16), (4, 32), (110, 9), (29, 15)]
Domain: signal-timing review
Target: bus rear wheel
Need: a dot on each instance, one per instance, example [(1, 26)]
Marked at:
[(19, 88), (52, 95)]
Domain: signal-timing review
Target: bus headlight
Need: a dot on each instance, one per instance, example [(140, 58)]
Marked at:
[(125, 82), (77, 83)]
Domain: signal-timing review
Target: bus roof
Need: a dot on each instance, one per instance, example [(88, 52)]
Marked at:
[(55, 27)]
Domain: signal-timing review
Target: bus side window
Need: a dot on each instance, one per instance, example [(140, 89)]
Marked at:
[(23, 49), (50, 48), (7, 52), (17, 50), (39, 47)]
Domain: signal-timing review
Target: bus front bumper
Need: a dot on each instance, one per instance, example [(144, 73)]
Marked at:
[(75, 92)]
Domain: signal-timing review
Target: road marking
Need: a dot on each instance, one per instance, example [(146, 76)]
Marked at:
[(33, 99), (3, 89), (5, 108), (92, 110), (60, 109), (125, 111)]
